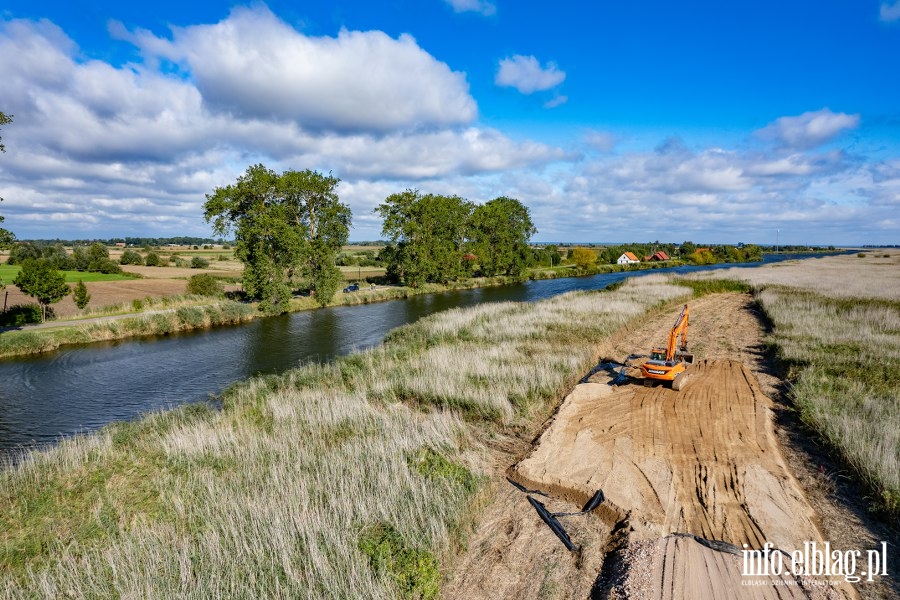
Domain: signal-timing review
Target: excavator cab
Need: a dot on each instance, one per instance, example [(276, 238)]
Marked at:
[(658, 354)]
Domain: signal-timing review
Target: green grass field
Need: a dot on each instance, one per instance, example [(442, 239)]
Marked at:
[(9, 272)]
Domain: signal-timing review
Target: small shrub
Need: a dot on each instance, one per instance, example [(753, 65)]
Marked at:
[(104, 265), (81, 296), (21, 314), (153, 260), (130, 257), (204, 284), (861, 255), (180, 262), (221, 257), (199, 263), (415, 572), (137, 304)]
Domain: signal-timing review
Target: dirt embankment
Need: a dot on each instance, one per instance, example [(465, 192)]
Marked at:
[(705, 462)]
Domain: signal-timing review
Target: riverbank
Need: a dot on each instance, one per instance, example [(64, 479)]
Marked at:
[(166, 315), (163, 316), (373, 503)]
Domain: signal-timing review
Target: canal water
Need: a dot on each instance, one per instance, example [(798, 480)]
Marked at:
[(79, 389)]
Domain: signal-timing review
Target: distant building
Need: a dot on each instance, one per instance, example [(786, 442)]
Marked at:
[(120, 244), (660, 256), (627, 259)]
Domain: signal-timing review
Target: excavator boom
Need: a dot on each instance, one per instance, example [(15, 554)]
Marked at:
[(669, 365), (680, 328)]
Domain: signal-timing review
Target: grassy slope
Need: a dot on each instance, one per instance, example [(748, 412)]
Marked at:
[(844, 360), (351, 479)]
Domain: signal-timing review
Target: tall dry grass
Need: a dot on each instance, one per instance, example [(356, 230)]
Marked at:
[(348, 480), (844, 360), (876, 275)]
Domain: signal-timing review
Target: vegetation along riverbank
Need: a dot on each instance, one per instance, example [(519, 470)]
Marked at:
[(372, 503)]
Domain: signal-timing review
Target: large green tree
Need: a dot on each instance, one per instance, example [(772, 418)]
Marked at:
[(40, 279), (285, 224), (327, 226), (428, 234), (499, 233)]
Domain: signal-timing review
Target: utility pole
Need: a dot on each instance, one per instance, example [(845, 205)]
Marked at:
[(777, 231)]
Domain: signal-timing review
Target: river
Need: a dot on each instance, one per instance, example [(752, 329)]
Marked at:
[(82, 388)]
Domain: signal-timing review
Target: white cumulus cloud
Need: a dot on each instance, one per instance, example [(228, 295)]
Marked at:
[(808, 130), (102, 150), (527, 75), (480, 6), (253, 64)]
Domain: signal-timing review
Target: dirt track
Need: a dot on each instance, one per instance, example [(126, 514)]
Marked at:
[(705, 461)]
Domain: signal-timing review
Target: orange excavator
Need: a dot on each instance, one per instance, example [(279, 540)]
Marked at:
[(669, 365)]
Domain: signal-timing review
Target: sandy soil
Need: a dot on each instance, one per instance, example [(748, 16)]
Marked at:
[(705, 461)]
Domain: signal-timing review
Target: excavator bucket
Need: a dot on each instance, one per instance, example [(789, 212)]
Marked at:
[(686, 357)]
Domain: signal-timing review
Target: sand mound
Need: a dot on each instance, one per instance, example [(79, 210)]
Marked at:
[(703, 461)]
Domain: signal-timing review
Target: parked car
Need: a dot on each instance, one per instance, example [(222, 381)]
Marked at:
[(353, 287)]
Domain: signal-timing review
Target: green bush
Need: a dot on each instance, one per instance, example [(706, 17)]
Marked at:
[(137, 304), (153, 260), (21, 314), (861, 255), (199, 263), (415, 572), (204, 284), (80, 295), (21, 251), (130, 257), (104, 265)]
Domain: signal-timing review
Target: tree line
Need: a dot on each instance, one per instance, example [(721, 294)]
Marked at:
[(289, 229), (687, 251), (136, 242), (438, 239)]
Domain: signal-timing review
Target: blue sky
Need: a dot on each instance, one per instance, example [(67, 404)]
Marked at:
[(612, 121)]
